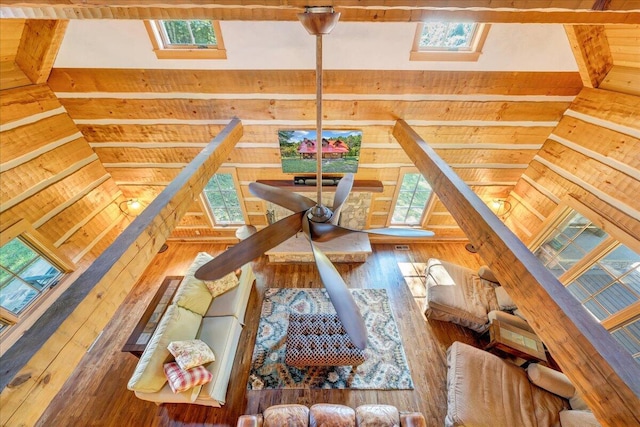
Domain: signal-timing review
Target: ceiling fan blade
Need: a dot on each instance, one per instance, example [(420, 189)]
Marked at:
[(250, 248), (341, 298), (324, 231), (292, 201), (342, 192)]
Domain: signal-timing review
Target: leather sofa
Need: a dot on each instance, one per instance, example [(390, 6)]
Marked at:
[(485, 390), (194, 313), (327, 414)]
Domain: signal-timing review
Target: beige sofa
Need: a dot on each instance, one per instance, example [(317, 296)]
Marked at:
[(485, 390), (194, 313), (466, 297)]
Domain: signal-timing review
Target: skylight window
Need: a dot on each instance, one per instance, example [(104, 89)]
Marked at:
[(449, 41), (188, 34), (447, 36), (186, 39)]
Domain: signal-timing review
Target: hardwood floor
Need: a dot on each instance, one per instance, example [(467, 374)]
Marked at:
[(96, 394)]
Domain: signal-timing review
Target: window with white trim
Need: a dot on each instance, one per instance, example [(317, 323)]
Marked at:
[(410, 200), (449, 41), (599, 271), (25, 274), (186, 39), (222, 199)]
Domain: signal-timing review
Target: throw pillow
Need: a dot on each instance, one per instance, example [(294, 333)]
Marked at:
[(220, 286), (191, 353), (181, 380)]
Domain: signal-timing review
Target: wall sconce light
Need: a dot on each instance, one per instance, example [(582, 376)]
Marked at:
[(500, 207), (131, 207)]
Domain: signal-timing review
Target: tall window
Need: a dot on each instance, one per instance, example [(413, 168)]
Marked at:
[(24, 275), (186, 39), (569, 242), (449, 41), (600, 272), (222, 197), (411, 199)]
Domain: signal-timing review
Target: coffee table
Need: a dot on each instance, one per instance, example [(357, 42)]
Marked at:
[(148, 323), (509, 339)]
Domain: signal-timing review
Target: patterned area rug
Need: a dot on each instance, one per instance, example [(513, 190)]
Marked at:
[(385, 366)]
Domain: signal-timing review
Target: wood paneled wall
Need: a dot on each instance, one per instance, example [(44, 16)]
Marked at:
[(145, 125), (52, 179), (593, 156)]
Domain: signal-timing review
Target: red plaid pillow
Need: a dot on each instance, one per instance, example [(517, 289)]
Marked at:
[(181, 380)]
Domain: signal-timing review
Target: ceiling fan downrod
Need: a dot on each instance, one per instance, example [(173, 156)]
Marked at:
[(318, 21)]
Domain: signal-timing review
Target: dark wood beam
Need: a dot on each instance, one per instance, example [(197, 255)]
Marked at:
[(559, 11), (116, 270), (606, 374)]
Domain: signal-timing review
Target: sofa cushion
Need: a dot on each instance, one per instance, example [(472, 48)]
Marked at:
[(183, 379), (504, 300), (483, 389), (485, 273), (550, 380), (456, 294), (191, 353), (222, 335), (234, 302), (329, 414), (286, 415), (377, 415), (573, 418), (176, 324), (193, 293)]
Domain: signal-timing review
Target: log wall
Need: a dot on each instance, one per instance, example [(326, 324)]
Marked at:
[(591, 156), (145, 125)]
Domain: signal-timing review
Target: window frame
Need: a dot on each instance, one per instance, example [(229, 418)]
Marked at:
[(184, 52), (40, 244), (419, 53), (616, 237), (404, 171), (207, 207)]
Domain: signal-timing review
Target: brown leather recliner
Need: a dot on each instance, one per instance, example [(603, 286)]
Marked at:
[(332, 414)]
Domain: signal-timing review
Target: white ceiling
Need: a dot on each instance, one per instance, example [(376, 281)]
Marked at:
[(286, 45)]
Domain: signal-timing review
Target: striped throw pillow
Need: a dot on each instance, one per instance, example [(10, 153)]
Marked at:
[(182, 380)]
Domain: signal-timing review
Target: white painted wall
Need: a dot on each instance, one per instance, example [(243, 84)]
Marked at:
[(287, 45)]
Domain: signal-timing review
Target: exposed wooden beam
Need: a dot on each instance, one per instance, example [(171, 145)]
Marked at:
[(64, 332), (369, 82), (591, 50), (606, 375), (39, 46), (559, 11)]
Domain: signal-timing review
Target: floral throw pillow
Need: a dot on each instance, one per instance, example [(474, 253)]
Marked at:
[(181, 380), (220, 286), (191, 353)]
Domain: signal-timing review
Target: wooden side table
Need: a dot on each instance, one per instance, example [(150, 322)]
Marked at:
[(512, 340), (148, 323)]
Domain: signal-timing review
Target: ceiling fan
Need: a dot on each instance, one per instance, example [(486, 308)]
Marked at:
[(318, 222)]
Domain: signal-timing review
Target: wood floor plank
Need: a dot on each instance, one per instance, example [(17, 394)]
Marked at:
[(96, 394)]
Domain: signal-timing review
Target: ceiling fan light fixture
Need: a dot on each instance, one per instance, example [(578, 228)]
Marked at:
[(319, 20)]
